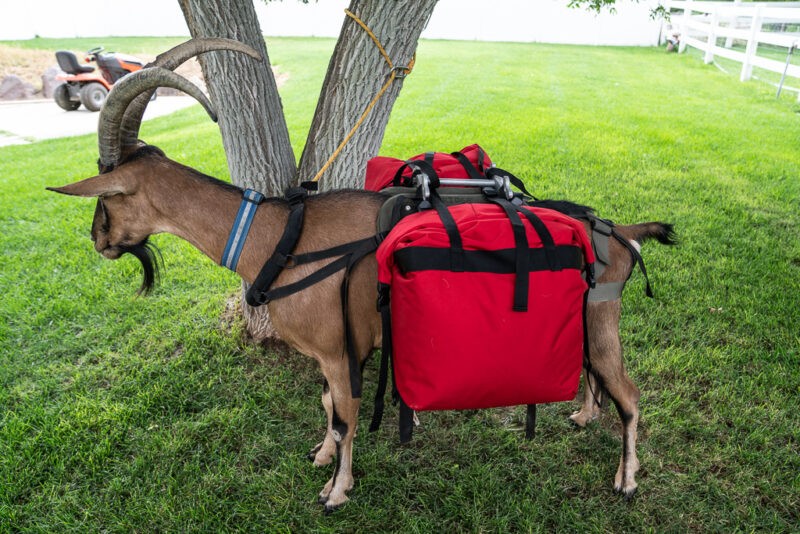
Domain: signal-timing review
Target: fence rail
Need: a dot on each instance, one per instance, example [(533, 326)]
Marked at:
[(723, 19)]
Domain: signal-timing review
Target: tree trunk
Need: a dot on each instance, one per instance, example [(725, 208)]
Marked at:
[(356, 73), (245, 94), (251, 120), (253, 128)]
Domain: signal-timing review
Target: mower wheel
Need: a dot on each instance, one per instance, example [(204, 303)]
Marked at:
[(61, 96), (93, 95)]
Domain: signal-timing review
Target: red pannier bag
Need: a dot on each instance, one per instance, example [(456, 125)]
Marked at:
[(459, 337), (470, 162)]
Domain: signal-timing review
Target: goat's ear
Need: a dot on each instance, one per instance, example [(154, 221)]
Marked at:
[(103, 185)]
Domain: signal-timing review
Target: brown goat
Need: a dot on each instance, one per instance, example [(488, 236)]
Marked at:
[(141, 192)]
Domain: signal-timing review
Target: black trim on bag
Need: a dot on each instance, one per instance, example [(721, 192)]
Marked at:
[(503, 261)]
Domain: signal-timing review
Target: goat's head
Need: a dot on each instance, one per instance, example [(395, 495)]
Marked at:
[(125, 217)]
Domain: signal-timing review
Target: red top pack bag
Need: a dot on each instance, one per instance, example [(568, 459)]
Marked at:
[(470, 162), (486, 306)]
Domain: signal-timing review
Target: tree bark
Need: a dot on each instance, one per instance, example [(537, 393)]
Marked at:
[(356, 73), (245, 94), (251, 119)]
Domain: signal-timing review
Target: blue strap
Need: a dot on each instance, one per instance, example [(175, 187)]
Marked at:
[(247, 209)]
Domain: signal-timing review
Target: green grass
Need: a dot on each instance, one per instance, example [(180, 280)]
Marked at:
[(129, 414)]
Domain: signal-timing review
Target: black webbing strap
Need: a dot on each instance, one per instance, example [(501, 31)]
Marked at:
[(353, 258), (406, 415), (475, 174), (282, 258), (530, 422), (637, 258), (522, 278), (386, 355), (491, 172), (317, 276), (256, 295), (425, 166), (456, 245), (546, 238), (406, 421)]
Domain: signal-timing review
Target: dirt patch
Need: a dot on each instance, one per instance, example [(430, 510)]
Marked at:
[(27, 64), (31, 64)]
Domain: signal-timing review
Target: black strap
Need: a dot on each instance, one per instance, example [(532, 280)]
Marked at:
[(317, 276), (256, 295), (522, 278), (456, 245), (530, 422), (350, 346), (637, 258), (491, 172), (416, 165), (544, 235), (406, 422), (473, 173), (294, 260), (386, 354)]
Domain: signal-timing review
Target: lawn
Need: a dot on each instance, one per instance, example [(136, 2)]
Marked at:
[(127, 414)]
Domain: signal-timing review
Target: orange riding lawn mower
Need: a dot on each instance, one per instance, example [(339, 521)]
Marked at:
[(83, 85)]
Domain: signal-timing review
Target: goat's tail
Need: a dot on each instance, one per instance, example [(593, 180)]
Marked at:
[(663, 232)]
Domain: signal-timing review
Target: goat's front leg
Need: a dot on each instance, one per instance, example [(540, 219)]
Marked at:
[(592, 400), (324, 451), (344, 419)]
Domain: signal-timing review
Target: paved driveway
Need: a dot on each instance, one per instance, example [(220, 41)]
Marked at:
[(24, 121)]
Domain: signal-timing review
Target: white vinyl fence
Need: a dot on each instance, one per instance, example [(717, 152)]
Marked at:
[(744, 22)]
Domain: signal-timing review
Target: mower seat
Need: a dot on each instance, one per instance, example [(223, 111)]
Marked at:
[(69, 63)]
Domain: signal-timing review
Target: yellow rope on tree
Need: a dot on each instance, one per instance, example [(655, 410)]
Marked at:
[(392, 77)]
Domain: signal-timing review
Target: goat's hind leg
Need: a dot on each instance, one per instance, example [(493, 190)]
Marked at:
[(605, 356), (324, 451), (592, 401)]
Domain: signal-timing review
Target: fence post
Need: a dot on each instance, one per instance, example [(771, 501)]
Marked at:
[(734, 21), (711, 42), (687, 14), (752, 46)]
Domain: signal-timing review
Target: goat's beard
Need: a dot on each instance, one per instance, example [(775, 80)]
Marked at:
[(152, 262)]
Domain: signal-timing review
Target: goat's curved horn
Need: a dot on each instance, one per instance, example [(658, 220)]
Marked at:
[(121, 95), (172, 59)]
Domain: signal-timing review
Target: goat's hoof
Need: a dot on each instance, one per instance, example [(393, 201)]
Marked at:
[(628, 492), (335, 504), (580, 420), (329, 509), (322, 499), (312, 454)]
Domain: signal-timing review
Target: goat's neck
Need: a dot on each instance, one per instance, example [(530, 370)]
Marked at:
[(203, 214)]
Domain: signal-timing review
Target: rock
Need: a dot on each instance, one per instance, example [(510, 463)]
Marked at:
[(49, 82), (14, 88)]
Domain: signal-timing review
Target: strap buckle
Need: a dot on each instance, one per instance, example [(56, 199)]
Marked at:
[(252, 196), (400, 72)]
